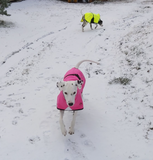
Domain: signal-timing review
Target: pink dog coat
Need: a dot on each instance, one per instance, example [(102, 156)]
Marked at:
[(72, 75)]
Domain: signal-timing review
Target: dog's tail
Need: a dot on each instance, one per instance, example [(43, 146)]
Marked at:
[(81, 11), (78, 64)]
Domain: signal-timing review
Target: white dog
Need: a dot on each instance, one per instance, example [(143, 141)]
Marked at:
[(70, 97)]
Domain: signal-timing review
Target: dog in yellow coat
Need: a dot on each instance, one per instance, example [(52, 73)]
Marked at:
[(91, 18)]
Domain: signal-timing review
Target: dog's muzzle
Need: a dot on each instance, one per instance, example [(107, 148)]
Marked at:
[(100, 22)]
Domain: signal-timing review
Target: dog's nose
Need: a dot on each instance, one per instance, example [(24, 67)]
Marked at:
[(70, 104)]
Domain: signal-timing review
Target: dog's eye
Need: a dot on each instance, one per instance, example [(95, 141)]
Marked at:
[(65, 93), (73, 93)]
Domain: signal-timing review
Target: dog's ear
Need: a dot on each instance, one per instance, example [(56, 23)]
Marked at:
[(60, 85), (79, 83)]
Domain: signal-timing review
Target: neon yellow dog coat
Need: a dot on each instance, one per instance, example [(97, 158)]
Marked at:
[(91, 17)]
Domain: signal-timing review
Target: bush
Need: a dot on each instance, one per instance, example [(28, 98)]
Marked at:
[(120, 80), (3, 5)]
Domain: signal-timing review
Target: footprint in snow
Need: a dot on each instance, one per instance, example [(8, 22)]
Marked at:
[(33, 140), (44, 125), (74, 150), (49, 115), (31, 110), (88, 143), (47, 133), (15, 120), (82, 135)]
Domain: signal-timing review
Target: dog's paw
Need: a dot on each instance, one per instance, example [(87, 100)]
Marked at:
[(71, 131), (64, 132)]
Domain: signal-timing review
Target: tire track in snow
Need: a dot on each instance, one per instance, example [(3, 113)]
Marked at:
[(26, 46)]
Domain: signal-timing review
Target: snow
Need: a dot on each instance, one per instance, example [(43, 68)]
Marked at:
[(39, 42)]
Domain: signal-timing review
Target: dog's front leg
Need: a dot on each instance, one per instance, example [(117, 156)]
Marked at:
[(83, 25), (91, 26), (96, 26), (71, 131), (64, 132)]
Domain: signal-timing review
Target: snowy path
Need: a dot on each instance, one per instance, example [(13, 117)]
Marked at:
[(43, 42)]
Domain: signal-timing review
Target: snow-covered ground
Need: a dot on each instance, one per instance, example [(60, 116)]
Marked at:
[(39, 42)]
